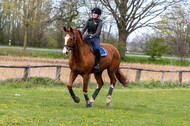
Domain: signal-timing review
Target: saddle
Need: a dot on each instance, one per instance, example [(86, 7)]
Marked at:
[(102, 50)]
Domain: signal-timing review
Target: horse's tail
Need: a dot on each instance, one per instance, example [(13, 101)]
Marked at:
[(122, 78)]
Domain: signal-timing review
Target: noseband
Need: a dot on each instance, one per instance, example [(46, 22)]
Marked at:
[(73, 45)]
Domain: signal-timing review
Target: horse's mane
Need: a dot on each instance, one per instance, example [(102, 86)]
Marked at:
[(80, 34)]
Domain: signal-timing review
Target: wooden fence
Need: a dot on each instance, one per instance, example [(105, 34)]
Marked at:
[(28, 67), (58, 71), (139, 70)]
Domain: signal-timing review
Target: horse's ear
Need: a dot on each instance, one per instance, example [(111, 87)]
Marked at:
[(64, 29), (71, 29)]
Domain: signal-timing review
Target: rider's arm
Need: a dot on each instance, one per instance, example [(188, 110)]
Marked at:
[(98, 31), (85, 27)]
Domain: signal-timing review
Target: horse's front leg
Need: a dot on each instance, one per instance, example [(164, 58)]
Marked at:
[(85, 87), (98, 77), (72, 78)]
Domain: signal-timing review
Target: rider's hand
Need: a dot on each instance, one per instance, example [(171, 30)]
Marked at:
[(89, 37)]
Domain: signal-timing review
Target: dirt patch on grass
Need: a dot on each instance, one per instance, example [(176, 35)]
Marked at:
[(6, 73)]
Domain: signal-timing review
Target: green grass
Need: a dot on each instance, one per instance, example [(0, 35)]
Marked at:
[(138, 53), (31, 53), (33, 82), (45, 104), (159, 61), (8, 46), (135, 53), (157, 84)]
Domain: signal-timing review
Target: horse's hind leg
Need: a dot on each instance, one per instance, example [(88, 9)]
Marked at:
[(112, 85), (73, 76), (98, 77)]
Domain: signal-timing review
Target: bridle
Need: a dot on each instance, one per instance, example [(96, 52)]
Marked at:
[(72, 47)]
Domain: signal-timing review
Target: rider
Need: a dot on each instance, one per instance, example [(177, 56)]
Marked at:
[(94, 26)]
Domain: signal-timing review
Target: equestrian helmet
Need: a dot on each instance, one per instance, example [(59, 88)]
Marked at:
[(97, 10)]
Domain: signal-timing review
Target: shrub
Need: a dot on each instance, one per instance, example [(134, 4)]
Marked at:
[(155, 47)]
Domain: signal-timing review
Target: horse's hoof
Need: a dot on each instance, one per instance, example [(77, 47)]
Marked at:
[(108, 104), (88, 104), (126, 84), (92, 100), (77, 99), (108, 100)]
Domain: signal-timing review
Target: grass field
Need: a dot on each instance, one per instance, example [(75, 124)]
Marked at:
[(31, 53), (158, 61), (47, 104)]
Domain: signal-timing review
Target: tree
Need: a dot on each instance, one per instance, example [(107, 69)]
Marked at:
[(67, 11), (130, 15), (29, 8), (174, 26), (25, 10), (155, 47), (187, 15), (66, 15), (3, 36), (42, 18)]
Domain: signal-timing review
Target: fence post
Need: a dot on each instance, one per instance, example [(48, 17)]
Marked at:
[(58, 73), (138, 75), (180, 77), (162, 77), (26, 73)]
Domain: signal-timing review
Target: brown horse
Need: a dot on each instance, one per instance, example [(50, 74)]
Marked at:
[(82, 61)]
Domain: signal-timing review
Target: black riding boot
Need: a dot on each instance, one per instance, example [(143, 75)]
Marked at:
[(97, 53)]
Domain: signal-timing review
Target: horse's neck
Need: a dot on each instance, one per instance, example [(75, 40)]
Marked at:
[(80, 48)]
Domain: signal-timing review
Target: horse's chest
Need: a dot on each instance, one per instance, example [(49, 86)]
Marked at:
[(82, 65), (79, 68)]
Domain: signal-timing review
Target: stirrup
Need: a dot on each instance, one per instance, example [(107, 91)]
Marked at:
[(97, 66)]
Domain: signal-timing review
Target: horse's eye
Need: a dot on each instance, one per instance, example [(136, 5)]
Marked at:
[(71, 39)]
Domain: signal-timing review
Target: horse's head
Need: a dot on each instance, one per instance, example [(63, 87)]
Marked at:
[(69, 40)]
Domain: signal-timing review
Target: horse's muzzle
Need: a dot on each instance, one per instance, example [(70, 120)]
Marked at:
[(66, 50)]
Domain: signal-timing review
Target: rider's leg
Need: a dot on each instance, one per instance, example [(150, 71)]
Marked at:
[(97, 53), (96, 43), (86, 37)]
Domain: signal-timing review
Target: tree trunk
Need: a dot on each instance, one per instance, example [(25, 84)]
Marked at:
[(25, 36), (122, 42)]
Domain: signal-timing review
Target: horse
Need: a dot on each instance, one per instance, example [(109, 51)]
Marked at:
[(82, 61)]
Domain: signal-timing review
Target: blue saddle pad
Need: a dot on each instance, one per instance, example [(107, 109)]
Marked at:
[(103, 51)]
